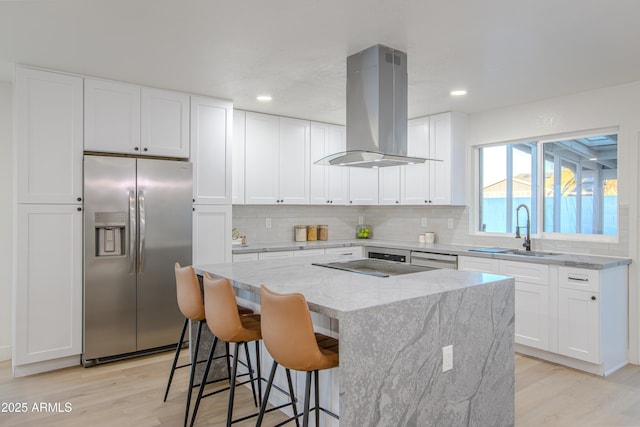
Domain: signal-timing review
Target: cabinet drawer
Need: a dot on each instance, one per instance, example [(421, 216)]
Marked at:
[(581, 279), (484, 265), (275, 255), (355, 251), (308, 252), (526, 272), (245, 257)]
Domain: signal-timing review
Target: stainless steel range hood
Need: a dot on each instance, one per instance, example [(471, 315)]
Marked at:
[(376, 110)]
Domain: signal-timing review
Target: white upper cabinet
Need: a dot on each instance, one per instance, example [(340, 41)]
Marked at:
[(211, 234), (48, 136), (328, 184), (112, 117), (165, 123), (211, 133), (276, 160), (237, 158), (441, 137), (363, 186), (389, 185), (127, 119)]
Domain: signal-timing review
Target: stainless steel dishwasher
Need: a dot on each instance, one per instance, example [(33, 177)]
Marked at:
[(434, 260)]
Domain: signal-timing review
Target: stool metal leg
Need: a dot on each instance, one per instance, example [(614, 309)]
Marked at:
[(307, 398), (203, 383), (234, 371), (259, 371), (175, 358), (192, 373), (294, 407), (251, 377), (265, 400), (316, 392)]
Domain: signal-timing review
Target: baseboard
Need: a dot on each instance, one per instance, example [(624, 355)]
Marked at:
[(47, 365), (592, 368), (5, 352)]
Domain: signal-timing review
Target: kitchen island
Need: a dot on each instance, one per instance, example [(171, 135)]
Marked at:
[(392, 333)]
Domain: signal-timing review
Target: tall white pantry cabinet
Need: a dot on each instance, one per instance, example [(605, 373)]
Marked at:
[(48, 288), (57, 117)]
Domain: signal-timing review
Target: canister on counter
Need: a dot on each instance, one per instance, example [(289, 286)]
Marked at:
[(312, 232), (300, 233), (323, 232)]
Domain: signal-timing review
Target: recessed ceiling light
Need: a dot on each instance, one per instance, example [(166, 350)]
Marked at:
[(264, 98), (458, 92)]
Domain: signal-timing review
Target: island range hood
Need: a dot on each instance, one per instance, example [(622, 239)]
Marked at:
[(376, 111)]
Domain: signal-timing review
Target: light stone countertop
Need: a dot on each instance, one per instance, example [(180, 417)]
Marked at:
[(574, 260), (335, 293)]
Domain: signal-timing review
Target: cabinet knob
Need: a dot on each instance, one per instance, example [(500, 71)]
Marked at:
[(194, 200), (397, 201), (79, 199), (79, 209), (593, 298), (136, 148), (194, 209), (350, 201), (328, 201), (146, 149)]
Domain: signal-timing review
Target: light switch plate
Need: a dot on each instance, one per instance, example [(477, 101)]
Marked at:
[(447, 358)]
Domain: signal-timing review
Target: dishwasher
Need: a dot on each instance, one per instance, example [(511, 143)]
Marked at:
[(434, 260)]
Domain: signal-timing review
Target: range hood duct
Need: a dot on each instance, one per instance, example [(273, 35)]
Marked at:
[(376, 111)]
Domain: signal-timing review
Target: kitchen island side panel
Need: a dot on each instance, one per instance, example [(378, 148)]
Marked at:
[(391, 360)]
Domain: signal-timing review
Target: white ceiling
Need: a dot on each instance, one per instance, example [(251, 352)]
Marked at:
[(503, 52)]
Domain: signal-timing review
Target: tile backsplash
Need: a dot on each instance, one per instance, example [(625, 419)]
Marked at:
[(402, 223)]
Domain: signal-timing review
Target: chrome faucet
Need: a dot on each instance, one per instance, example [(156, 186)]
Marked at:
[(527, 239)]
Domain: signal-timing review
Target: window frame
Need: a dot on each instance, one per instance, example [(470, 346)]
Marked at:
[(538, 200)]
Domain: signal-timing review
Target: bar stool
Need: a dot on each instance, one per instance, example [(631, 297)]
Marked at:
[(226, 324), (288, 335), (191, 306)]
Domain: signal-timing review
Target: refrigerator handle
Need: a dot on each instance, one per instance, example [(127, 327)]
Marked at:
[(132, 232), (142, 231)]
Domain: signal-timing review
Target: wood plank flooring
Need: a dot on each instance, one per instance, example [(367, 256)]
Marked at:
[(129, 393)]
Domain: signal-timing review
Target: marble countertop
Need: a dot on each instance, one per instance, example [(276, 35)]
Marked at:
[(334, 293), (566, 259)]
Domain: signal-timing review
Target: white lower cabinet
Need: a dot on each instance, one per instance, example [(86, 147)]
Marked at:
[(347, 251), (308, 252), (532, 302), (275, 255), (245, 257), (211, 234), (48, 291), (568, 315)]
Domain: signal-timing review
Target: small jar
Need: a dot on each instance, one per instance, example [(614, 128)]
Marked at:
[(300, 233), (323, 232), (312, 232)]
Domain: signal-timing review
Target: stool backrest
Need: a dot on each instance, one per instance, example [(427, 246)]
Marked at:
[(188, 293), (287, 330), (221, 309)]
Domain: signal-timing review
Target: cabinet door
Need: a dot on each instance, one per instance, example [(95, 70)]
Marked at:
[(237, 158), (532, 315), (440, 149), (49, 137), (338, 176), (483, 265), (261, 159), (415, 178), (165, 123), (389, 185), (351, 251), (49, 283), (319, 174), (363, 186), (294, 161), (579, 324), (211, 122), (211, 234), (112, 117)]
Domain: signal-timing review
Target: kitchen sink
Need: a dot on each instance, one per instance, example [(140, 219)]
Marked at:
[(506, 251), (529, 253)]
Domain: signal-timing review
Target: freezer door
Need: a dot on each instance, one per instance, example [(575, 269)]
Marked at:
[(109, 261), (165, 216)]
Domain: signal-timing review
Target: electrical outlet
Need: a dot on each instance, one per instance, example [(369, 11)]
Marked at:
[(423, 222), (267, 222), (447, 358), (450, 223), (360, 220)]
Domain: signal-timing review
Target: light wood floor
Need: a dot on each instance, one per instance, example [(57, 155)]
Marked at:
[(129, 393)]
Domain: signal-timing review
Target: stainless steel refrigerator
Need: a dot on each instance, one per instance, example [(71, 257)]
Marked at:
[(137, 225)]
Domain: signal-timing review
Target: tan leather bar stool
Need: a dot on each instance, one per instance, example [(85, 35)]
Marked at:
[(192, 308), (226, 324), (288, 335)]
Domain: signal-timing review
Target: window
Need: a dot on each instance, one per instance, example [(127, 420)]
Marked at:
[(577, 189), (581, 185), (506, 182)]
